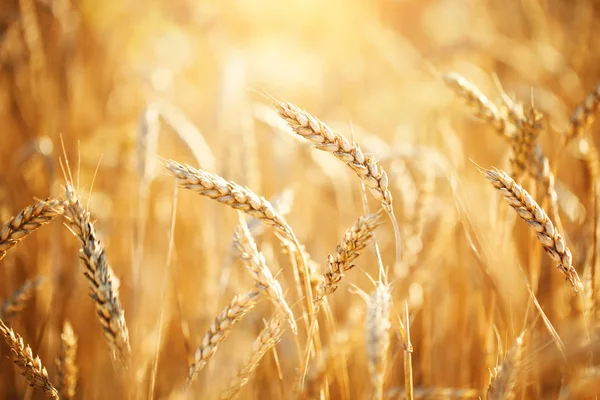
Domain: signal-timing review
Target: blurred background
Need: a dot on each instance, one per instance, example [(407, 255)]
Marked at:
[(92, 81)]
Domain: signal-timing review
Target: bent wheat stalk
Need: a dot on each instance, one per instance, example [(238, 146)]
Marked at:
[(527, 208), (27, 221), (28, 366), (98, 273)]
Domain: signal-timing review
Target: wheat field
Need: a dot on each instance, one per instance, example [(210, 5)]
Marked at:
[(317, 199)]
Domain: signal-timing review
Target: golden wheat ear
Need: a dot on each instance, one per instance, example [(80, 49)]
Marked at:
[(535, 216), (219, 330), (103, 290), (28, 365), (27, 221), (66, 365)]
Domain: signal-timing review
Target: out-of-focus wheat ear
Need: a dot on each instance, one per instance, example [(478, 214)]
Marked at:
[(100, 277), (367, 167), (219, 330), (503, 378), (27, 221), (378, 339), (66, 365), (477, 102), (28, 366), (525, 142), (583, 116), (257, 265), (266, 340), (350, 247), (527, 208), (19, 299)]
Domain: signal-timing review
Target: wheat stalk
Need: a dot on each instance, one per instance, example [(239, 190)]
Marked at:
[(527, 208), (27, 221), (28, 366), (100, 277), (378, 339), (219, 330), (367, 167), (257, 265), (354, 241), (266, 340), (65, 363)]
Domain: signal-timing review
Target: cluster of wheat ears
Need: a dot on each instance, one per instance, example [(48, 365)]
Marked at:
[(520, 125)]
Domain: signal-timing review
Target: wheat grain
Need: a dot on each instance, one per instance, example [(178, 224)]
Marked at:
[(100, 277), (266, 340), (28, 366), (66, 366), (19, 299), (27, 221), (527, 208), (219, 330), (257, 265)]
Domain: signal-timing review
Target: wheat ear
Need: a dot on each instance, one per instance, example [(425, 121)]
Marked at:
[(219, 330), (527, 208), (257, 265), (503, 378), (378, 339), (65, 363), (99, 275), (266, 340), (26, 221), (479, 104), (368, 169), (19, 299), (230, 193), (28, 366), (354, 241), (583, 116)]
